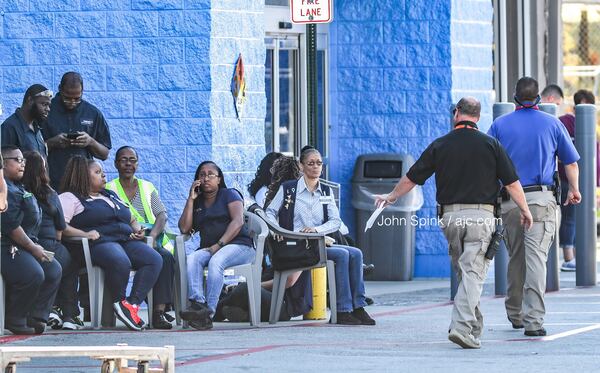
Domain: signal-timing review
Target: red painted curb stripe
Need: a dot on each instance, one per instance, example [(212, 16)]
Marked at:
[(231, 354)]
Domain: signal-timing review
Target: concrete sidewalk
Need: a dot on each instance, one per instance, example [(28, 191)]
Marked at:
[(410, 336)]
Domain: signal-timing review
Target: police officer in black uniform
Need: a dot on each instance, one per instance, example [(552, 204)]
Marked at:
[(31, 276), (74, 127), (467, 166)]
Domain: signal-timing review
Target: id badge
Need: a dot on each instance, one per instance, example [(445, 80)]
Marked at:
[(325, 200)]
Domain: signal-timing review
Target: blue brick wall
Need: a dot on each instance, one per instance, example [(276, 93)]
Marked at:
[(160, 71), (472, 39), (395, 69)]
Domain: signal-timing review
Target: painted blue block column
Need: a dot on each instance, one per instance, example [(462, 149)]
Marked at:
[(237, 27), (390, 89)]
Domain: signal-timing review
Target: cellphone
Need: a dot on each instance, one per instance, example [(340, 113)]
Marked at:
[(72, 135), (197, 189)]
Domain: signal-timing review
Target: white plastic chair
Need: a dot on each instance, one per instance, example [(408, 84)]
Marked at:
[(280, 277), (96, 285), (258, 230)]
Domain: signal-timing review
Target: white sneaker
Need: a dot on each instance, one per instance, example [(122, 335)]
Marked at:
[(569, 266), (464, 341)]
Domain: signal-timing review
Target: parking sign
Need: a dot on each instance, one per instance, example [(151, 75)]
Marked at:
[(311, 11)]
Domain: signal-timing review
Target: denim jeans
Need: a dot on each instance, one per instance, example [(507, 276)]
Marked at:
[(228, 256), (349, 284), (567, 222)]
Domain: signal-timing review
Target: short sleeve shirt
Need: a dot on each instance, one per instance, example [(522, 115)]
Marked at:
[(18, 133), (467, 164), (53, 219), (212, 221), (532, 140), (85, 118), (23, 211)]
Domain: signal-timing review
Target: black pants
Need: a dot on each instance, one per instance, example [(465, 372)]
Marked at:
[(31, 286), (163, 289), (67, 299), (238, 297), (62, 255)]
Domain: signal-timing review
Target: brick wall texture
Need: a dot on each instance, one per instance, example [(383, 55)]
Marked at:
[(161, 71)]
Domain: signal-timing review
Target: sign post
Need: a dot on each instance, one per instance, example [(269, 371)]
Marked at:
[(311, 12)]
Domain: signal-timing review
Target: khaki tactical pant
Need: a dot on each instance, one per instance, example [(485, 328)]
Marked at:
[(468, 233), (528, 252)]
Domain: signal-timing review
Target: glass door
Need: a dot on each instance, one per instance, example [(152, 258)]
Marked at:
[(282, 77)]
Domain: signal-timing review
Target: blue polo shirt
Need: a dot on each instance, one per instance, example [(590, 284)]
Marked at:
[(18, 133), (532, 139), (85, 118)]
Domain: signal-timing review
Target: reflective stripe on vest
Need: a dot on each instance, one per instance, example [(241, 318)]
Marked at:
[(145, 190)]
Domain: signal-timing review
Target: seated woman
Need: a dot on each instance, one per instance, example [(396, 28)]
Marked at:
[(259, 185), (314, 210), (31, 276), (146, 207), (94, 212), (298, 294), (36, 180), (218, 214)]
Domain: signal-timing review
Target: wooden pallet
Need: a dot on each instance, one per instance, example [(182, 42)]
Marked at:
[(114, 358)]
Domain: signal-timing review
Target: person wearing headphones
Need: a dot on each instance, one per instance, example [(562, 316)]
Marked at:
[(533, 139)]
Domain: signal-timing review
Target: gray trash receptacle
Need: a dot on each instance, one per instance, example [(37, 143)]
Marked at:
[(390, 243)]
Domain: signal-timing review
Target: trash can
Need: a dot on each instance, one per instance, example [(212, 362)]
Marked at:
[(390, 243)]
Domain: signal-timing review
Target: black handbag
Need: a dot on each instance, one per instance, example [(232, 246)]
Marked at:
[(289, 253)]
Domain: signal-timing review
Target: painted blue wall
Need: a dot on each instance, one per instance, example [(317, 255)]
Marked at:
[(159, 70), (396, 66)]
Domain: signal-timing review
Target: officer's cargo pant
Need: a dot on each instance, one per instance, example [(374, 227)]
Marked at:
[(528, 252), (468, 233)]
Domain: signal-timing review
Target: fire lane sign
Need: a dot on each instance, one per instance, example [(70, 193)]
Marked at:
[(311, 11)]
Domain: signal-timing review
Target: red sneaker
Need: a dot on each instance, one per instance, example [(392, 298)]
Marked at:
[(128, 314)]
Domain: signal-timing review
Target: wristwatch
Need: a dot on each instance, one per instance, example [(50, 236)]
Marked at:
[(221, 243)]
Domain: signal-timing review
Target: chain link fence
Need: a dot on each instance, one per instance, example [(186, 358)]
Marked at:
[(581, 47)]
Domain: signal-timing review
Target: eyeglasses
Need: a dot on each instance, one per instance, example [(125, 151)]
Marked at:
[(46, 93), (72, 100), (18, 160), (207, 176), (317, 163), (126, 160)]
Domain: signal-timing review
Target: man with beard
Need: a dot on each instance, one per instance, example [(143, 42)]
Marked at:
[(74, 127), (22, 129)]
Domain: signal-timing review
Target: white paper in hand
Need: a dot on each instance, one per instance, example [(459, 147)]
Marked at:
[(374, 216)]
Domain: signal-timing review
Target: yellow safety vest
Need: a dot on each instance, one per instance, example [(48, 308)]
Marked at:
[(145, 190)]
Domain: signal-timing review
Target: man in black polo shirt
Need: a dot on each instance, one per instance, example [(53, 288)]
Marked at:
[(74, 127), (467, 166), (22, 128)]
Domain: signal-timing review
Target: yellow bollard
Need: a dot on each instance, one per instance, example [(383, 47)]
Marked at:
[(319, 288)]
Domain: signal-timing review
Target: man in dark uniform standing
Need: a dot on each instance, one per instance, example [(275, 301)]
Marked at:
[(74, 127), (22, 128), (533, 139), (467, 201)]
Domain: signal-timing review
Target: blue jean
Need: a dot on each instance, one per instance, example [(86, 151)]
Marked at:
[(566, 232), (118, 259), (349, 284), (228, 256)]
